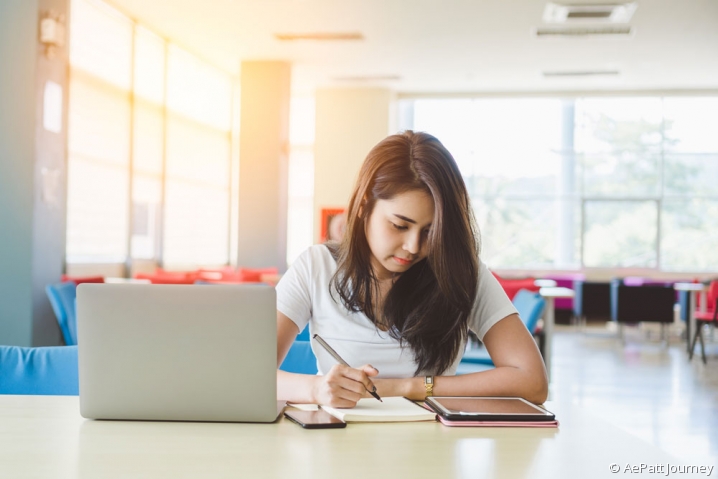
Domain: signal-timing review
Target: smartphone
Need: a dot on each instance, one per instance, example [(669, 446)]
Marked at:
[(314, 419)]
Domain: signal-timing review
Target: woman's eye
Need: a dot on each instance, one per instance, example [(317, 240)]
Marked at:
[(400, 228)]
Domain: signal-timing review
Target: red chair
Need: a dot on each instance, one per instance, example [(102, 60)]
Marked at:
[(82, 279), (161, 276), (705, 317), (226, 273), (254, 275), (512, 286)]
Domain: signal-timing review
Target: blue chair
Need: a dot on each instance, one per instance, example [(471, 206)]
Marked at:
[(62, 299), (300, 359), (42, 371), (304, 335), (530, 306)]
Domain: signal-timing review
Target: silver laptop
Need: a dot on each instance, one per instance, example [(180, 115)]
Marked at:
[(177, 352)]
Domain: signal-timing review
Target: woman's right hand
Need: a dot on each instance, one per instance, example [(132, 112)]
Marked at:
[(343, 386)]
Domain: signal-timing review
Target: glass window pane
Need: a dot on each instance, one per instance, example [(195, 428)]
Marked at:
[(503, 142), (98, 171), (149, 66), (197, 90), (620, 234), (690, 124), (99, 121), (146, 199), (691, 174), (101, 42), (689, 235), (619, 124), (148, 138), (197, 195), (453, 122), (97, 211), (197, 153), (622, 173), (196, 226), (517, 233)]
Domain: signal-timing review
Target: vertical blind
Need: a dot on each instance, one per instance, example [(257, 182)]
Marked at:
[(149, 140)]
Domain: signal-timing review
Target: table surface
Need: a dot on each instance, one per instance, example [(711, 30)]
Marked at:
[(556, 292), (44, 436), (690, 287)]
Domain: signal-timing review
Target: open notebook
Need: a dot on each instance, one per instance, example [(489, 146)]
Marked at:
[(392, 409)]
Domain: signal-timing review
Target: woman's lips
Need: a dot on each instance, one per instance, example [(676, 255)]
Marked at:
[(402, 261)]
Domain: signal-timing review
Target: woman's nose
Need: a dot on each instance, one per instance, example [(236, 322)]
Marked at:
[(412, 243)]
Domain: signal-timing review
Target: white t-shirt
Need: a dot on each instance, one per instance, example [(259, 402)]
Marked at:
[(303, 296)]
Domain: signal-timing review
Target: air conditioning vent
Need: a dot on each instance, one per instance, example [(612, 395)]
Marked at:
[(319, 36), (582, 31), (601, 13)]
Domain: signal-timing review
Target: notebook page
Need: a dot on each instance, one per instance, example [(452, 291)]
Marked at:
[(392, 409)]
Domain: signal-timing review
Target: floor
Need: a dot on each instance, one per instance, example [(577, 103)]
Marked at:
[(644, 385)]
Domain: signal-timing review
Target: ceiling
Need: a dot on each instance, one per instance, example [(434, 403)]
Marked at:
[(445, 46)]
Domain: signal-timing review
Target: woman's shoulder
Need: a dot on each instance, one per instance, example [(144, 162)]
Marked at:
[(316, 257)]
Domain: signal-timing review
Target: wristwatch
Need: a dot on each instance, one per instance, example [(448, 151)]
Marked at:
[(429, 385)]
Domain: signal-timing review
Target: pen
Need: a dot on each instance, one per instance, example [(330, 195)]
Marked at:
[(339, 359)]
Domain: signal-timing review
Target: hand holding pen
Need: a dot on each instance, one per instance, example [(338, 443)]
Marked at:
[(371, 388)]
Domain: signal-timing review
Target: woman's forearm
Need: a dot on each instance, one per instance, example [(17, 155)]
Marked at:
[(297, 388), (501, 381)]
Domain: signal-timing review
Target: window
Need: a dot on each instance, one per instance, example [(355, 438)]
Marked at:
[(150, 146), (585, 182)]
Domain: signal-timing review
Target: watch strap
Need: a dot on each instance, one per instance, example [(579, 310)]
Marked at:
[(429, 385)]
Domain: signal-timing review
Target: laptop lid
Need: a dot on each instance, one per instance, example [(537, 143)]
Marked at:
[(177, 352)]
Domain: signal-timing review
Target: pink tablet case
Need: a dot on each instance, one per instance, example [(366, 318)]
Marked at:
[(447, 422)]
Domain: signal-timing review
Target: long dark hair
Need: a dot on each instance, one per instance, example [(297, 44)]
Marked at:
[(429, 304)]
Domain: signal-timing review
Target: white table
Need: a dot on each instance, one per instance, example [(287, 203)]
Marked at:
[(693, 289), (118, 280), (549, 319), (45, 437)]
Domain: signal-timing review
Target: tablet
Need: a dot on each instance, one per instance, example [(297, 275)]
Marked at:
[(487, 409)]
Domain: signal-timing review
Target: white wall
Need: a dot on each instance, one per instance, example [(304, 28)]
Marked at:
[(349, 122)]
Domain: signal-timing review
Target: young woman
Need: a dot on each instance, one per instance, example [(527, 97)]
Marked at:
[(401, 291)]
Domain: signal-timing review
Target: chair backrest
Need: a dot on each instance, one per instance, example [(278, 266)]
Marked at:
[(713, 294), (512, 286), (646, 303), (530, 306), (304, 334), (62, 299), (300, 359), (592, 299), (82, 279), (45, 371), (255, 274)]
